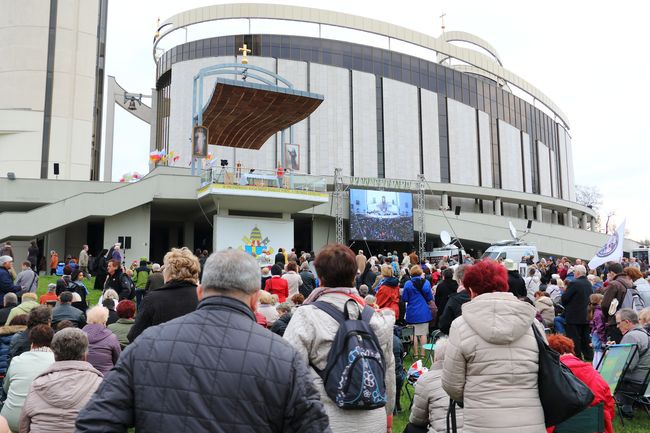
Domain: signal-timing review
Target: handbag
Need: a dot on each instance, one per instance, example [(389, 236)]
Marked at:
[(562, 394), (451, 417), (413, 428)]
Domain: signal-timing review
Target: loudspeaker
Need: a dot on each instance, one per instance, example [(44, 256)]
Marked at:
[(11, 175), (530, 224), (457, 211), (127, 242), (56, 168), (120, 240)]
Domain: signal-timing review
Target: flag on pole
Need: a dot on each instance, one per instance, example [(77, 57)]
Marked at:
[(612, 250)]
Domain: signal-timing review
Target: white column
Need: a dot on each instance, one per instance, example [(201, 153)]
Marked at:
[(539, 212), (569, 217), (497, 206)]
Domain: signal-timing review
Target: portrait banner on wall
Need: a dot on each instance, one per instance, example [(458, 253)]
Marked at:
[(200, 141), (292, 156)]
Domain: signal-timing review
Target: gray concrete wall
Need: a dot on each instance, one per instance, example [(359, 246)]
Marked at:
[(135, 223)]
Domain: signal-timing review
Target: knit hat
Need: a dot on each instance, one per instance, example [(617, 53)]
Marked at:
[(5, 259)]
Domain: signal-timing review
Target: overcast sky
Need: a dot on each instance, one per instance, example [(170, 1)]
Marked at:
[(590, 58)]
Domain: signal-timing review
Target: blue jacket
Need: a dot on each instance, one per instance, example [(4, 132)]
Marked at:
[(417, 305), (6, 332), (7, 283)]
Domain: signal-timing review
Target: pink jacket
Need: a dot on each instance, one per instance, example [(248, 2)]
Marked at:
[(57, 395)]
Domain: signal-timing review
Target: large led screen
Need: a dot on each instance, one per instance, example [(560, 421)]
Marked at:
[(381, 215)]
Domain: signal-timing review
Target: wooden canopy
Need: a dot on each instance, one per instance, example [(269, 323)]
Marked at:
[(244, 115)]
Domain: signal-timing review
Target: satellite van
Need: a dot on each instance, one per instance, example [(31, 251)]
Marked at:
[(513, 249), (448, 250)]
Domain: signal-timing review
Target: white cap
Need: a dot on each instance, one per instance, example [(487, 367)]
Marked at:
[(5, 259), (510, 264)]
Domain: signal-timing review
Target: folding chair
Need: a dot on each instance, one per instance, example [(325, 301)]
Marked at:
[(430, 347), (637, 392), (613, 366), (408, 333), (590, 420)]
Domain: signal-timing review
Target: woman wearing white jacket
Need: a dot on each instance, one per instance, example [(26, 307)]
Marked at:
[(492, 361), (431, 402)]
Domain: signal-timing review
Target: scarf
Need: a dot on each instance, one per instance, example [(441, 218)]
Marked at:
[(320, 291)]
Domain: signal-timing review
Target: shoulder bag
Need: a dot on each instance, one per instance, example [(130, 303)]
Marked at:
[(562, 394)]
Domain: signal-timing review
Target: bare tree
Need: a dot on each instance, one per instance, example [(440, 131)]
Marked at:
[(591, 197)]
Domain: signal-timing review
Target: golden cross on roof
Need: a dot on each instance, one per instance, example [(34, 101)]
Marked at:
[(245, 51)]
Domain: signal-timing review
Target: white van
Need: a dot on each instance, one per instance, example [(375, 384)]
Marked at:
[(511, 250)]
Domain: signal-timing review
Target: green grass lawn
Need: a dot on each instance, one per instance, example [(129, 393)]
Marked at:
[(92, 297)]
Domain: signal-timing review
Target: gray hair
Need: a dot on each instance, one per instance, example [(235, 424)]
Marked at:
[(10, 298), (580, 268), (363, 290), (97, 314), (459, 274), (231, 270), (284, 307), (70, 344), (304, 266), (629, 315), (439, 353)]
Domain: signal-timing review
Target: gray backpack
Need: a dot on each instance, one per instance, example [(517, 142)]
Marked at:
[(633, 300)]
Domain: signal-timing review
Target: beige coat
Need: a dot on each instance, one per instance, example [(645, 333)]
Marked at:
[(546, 308), (311, 331), (57, 395), (491, 365), (431, 402)]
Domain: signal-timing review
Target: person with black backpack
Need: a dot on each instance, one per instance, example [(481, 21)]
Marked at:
[(349, 346), (119, 281)]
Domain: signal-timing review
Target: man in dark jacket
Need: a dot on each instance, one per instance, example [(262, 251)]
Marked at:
[(155, 280), (6, 280), (279, 257), (453, 310), (617, 286), (575, 301), (65, 311), (215, 367), (516, 284), (446, 288), (10, 300), (119, 281)]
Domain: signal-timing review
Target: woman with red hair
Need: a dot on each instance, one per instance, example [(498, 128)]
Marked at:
[(586, 373), (492, 361)]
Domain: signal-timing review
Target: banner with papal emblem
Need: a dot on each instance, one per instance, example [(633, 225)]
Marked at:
[(612, 250)]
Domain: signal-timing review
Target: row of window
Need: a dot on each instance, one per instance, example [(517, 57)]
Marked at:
[(475, 91)]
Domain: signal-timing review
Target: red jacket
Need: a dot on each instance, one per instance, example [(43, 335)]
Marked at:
[(388, 297), (277, 286), (586, 373)]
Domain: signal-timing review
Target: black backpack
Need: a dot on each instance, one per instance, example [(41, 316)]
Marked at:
[(355, 370)]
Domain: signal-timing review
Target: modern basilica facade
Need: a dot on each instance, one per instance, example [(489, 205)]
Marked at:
[(399, 108)]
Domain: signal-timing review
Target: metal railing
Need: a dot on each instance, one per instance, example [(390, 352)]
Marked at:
[(259, 178)]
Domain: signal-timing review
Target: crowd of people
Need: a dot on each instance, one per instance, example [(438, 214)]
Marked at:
[(168, 343)]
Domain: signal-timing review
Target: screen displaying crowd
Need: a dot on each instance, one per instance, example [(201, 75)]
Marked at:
[(381, 215)]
